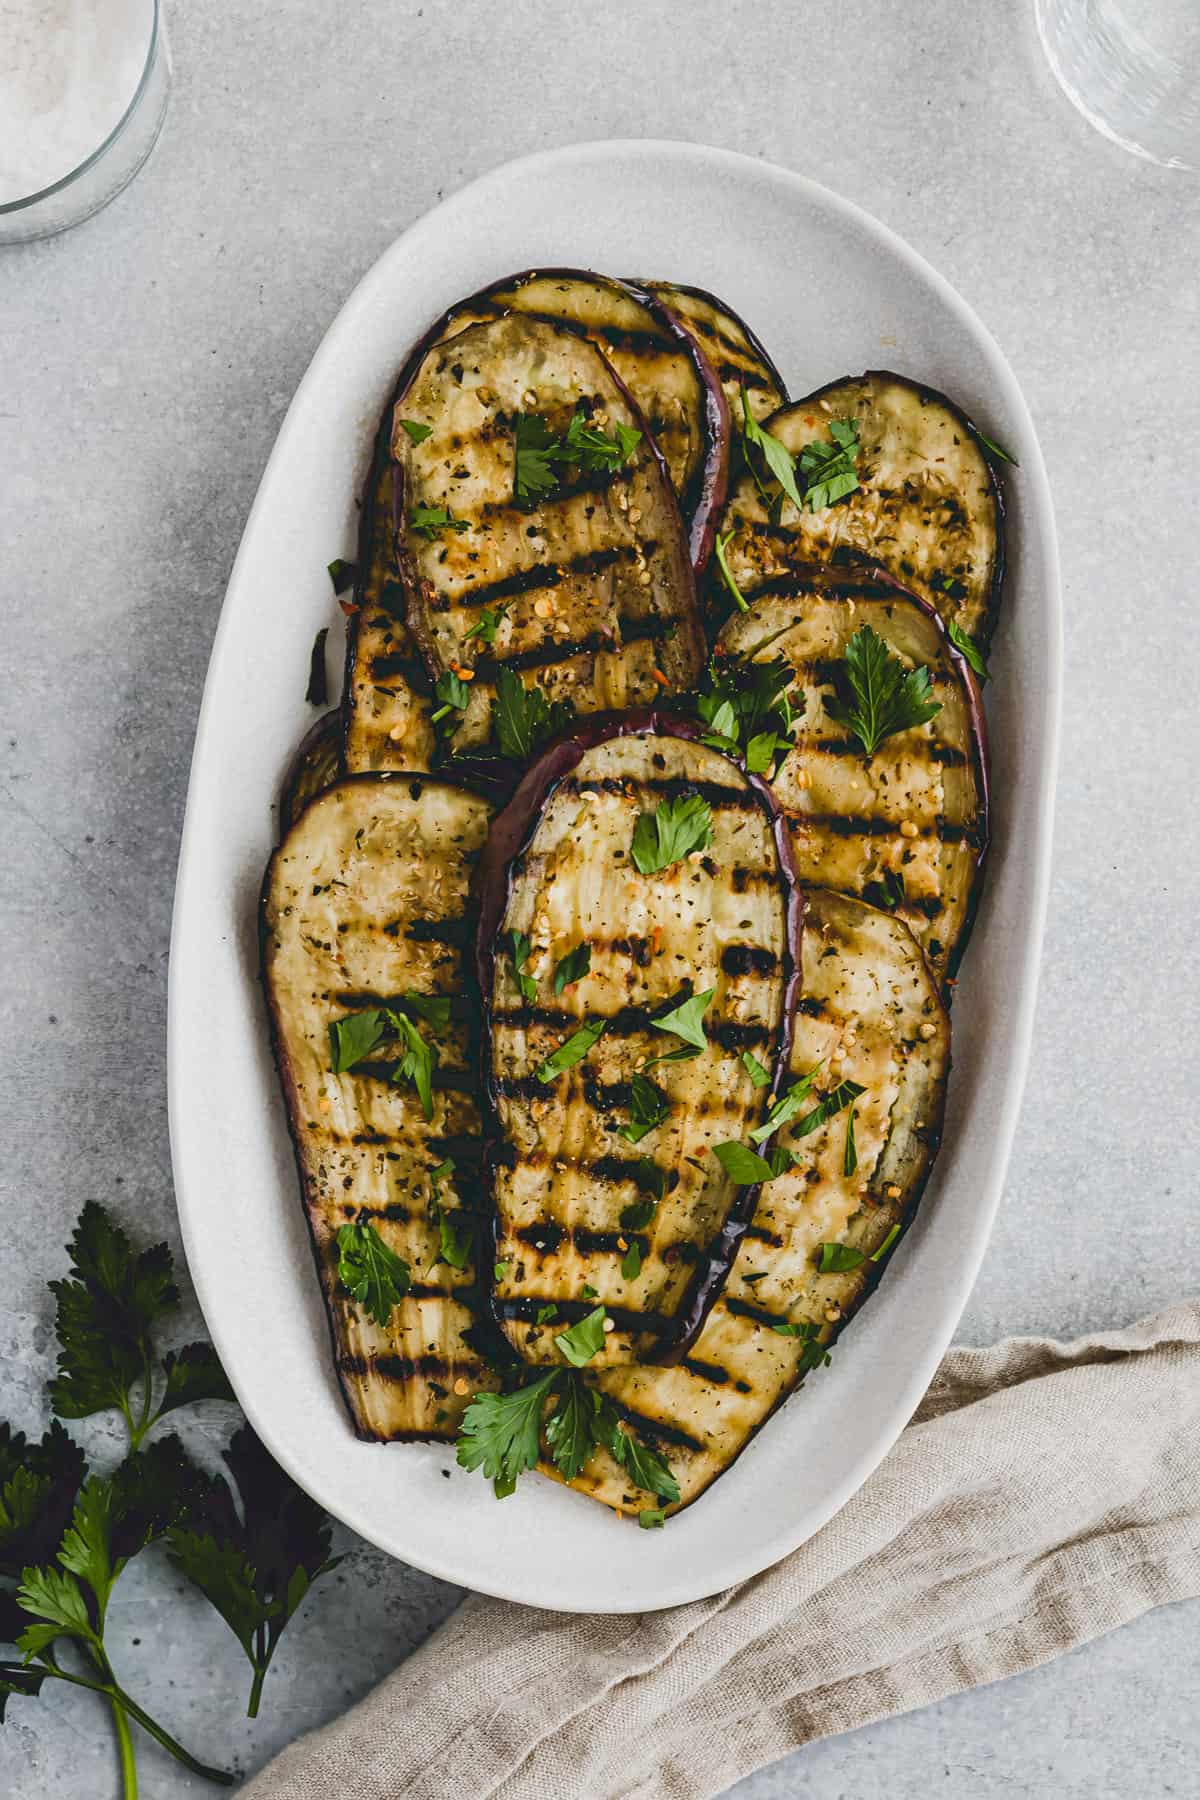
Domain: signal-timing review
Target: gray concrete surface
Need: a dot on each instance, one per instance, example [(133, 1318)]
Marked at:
[(145, 364)]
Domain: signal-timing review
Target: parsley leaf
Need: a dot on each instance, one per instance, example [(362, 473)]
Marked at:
[(488, 623), (256, 1569), (353, 1038), (572, 967), (644, 1466), (343, 574), (776, 456), (884, 697), (525, 719), (720, 544), (572, 1049), (519, 949), (631, 1262), (995, 449), (433, 1008), (759, 1076), (830, 1104), (963, 641), (376, 1277), (651, 1518), (569, 1435), (580, 1342), (747, 1167), (452, 693), (831, 470), (838, 1259), (850, 1157), (429, 520), (672, 831), (193, 1373), (648, 1107), (535, 445), (751, 709), (546, 1313), (499, 1270), (417, 1063), (416, 431), (456, 1231), (686, 1020), (888, 892), (786, 1107), (500, 1432), (592, 448), (652, 1180)]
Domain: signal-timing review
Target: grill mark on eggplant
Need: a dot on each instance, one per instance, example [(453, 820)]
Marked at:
[(948, 755), (588, 481), (398, 663), (706, 1371), (538, 575), (526, 1309), (358, 999), (613, 1096), (388, 1367), (760, 1314), (614, 1171), (666, 787), (625, 630), (861, 824), (443, 1080), (454, 932), (547, 1237), (657, 1430), (627, 1022), (628, 338), (748, 959)]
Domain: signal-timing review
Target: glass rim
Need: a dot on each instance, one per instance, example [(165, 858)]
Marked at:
[(93, 157)]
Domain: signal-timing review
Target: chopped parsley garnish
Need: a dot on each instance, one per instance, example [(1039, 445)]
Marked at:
[(686, 1021), (827, 1107), (720, 544), (500, 1434), (354, 1037), (416, 431), (343, 574), (838, 1259), (429, 520), (652, 1180), (648, 1107), (524, 717), (751, 710), (808, 1332), (569, 1433), (995, 448), (580, 1342), (850, 1157), (651, 1518), (499, 1271), (747, 1167), (631, 1262), (776, 456), (572, 1049), (588, 1292), (759, 1076), (488, 623), (684, 1053), (963, 641), (456, 1233), (519, 949), (376, 1277), (540, 453), (572, 967), (889, 1240), (882, 697), (417, 1063), (830, 471), (545, 1314), (672, 831), (787, 1106), (452, 694), (888, 892)]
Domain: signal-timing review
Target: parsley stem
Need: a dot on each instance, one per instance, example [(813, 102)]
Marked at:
[(118, 1697), (129, 1780), (256, 1688)]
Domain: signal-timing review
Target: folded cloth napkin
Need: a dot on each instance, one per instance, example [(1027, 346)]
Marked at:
[(1043, 1493)]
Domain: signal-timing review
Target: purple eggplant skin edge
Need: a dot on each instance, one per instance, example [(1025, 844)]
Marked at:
[(752, 338), (327, 726), (326, 1272), (935, 394), (510, 836)]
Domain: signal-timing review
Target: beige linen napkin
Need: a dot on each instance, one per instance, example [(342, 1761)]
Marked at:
[(1043, 1493)]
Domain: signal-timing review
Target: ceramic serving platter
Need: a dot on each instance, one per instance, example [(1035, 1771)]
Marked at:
[(831, 292)]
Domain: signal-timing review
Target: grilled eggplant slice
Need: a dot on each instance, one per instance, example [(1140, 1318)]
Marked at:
[(870, 1013), (561, 1169), (906, 827), (316, 763), (656, 357), (589, 587), (367, 900), (928, 508), (735, 352), (388, 712)]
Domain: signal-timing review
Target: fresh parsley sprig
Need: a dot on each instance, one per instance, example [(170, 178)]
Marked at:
[(370, 1271), (830, 470), (429, 520), (751, 710), (540, 453), (358, 1035), (501, 1435), (672, 831), (572, 1050), (880, 695), (524, 718)]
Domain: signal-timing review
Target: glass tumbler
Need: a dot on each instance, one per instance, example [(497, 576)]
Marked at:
[(1132, 67)]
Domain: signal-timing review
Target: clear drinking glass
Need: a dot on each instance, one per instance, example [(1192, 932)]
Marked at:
[(111, 163), (1132, 67)]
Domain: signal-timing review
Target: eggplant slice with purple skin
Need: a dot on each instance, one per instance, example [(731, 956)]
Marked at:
[(657, 358), (585, 589), (316, 764), (366, 901), (870, 1014), (387, 708), (565, 1163), (928, 507), (905, 828), (734, 350)]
